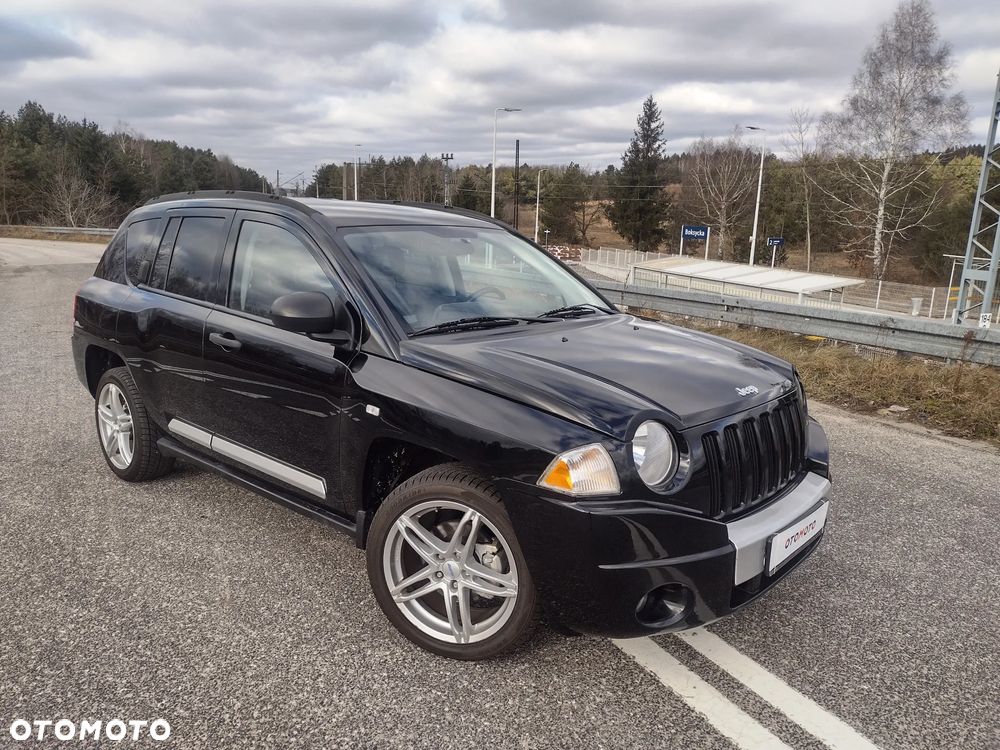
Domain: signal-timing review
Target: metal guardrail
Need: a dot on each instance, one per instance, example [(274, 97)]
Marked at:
[(95, 231), (900, 333)]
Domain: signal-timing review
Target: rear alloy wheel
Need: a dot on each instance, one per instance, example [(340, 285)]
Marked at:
[(114, 426), (446, 568), (125, 431)]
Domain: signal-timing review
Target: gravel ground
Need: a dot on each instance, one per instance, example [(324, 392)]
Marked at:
[(246, 625)]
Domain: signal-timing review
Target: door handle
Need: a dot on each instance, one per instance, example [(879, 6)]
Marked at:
[(225, 341)]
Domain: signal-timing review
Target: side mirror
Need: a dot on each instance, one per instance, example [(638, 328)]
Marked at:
[(315, 314)]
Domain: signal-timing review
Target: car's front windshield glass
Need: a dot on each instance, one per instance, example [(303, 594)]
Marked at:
[(429, 275)]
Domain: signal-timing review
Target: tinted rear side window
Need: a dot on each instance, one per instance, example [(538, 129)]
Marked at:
[(112, 264), (141, 244), (196, 252)]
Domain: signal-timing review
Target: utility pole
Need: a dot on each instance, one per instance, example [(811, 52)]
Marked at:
[(447, 193), (343, 174), (357, 167), (981, 270), (317, 181), (756, 211), (538, 200), (277, 182), (517, 177)]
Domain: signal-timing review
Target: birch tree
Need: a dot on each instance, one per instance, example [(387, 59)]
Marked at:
[(719, 185), (798, 144), (882, 146)]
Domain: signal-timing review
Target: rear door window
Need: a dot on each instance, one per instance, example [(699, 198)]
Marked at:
[(159, 273), (194, 262)]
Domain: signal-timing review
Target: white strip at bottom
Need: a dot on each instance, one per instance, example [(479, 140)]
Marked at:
[(289, 474), (809, 715), (725, 716), (296, 477)]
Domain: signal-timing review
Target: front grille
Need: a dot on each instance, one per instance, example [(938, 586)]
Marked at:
[(752, 460)]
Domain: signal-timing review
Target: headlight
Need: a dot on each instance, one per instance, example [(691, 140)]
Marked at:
[(582, 471), (654, 453)]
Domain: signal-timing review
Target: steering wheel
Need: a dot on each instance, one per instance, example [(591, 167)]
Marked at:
[(491, 291)]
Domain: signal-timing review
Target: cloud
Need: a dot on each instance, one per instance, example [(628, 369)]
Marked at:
[(21, 41), (288, 85)]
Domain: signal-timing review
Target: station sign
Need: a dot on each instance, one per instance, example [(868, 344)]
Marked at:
[(775, 241), (694, 232)]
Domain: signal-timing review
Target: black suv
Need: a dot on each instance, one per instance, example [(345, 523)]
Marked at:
[(497, 435)]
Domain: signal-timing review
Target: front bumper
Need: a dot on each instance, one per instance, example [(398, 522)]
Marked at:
[(601, 567)]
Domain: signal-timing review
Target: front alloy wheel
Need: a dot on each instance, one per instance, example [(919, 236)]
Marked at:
[(445, 566), (452, 579)]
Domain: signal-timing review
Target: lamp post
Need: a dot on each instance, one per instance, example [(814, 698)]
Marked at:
[(538, 200), (357, 166), (493, 181), (756, 211)]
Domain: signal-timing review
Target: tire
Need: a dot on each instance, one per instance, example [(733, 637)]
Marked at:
[(125, 432), (494, 605)]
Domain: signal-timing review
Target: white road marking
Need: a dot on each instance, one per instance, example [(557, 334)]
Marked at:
[(728, 718), (808, 714)]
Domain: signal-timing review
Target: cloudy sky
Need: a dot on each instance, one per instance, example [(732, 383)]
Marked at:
[(286, 85)]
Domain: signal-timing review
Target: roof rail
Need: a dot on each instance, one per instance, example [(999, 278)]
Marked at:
[(241, 194)]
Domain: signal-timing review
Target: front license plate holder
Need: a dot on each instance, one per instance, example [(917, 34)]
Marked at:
[(783, 546)]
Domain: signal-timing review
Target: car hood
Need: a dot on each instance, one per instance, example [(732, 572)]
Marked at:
[(602, 371)]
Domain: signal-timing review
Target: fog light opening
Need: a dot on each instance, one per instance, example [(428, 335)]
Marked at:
[(665, 605)]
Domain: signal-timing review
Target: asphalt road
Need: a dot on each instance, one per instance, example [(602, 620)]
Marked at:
[(246, 625)]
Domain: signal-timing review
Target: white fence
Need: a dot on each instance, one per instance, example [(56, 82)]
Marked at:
[(883, 296)]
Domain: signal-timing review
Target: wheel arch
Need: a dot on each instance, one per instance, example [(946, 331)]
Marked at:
[(388, 463), (97, 361)]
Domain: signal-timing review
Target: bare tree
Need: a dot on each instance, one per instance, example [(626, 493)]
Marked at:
[(588, 210), (899, 106), (719, 182), (586, 215), (798, 144), (72, 201)]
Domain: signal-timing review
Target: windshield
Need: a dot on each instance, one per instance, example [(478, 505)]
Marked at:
[(433, 275)]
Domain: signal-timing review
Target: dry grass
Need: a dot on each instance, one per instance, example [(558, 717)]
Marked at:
[(959, 399), (30, 233)]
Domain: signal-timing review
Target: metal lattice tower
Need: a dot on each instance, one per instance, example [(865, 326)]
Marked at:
[(982, 255)]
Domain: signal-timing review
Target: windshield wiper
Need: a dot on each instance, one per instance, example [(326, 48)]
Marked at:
[(468, 324), (572, 311)]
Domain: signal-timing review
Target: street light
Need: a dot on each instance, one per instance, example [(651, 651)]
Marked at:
[(756, 211), (538, 200), (357, 166), (493, 182)]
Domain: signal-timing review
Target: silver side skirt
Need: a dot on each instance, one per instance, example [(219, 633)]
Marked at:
[(192, 433), (298, 478)]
